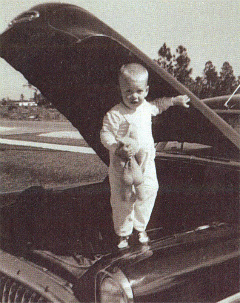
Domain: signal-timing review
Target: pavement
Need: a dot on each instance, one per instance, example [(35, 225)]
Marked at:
[(43, 134)]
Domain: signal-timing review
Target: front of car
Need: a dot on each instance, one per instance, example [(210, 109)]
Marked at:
[(193, 266), (193, 256)]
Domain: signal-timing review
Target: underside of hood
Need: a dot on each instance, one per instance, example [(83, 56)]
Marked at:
[(73, 59)]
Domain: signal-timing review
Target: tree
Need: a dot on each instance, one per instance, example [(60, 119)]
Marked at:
[(4, 102), (177, 65), (181, 70), (165, 58), (42, 101), (197, 86), (38, 97), (228, 82), (210, 81), (209, 85)]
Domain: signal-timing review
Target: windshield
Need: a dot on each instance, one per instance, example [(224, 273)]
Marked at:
[(230, 114)]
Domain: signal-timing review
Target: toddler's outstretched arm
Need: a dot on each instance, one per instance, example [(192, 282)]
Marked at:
[(181, 100), (162, 104)]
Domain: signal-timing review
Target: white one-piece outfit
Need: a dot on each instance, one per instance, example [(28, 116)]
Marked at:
[(136, 211)]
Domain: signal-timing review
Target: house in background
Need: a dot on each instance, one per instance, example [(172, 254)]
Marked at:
[(27, 103)]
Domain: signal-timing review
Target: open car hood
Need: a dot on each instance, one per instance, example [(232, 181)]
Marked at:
[(73, 59)]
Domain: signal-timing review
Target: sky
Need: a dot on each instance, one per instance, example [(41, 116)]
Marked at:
[(208, 29)]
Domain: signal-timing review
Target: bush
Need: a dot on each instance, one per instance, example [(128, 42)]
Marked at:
[(30, 113)]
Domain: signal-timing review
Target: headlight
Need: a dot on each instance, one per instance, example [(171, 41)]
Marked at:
[(114, 287), (111, 292)]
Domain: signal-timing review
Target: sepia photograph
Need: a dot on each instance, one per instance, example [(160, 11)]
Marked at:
[(119, 151)]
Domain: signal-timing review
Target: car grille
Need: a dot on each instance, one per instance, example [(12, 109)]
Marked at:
[(12, 291)]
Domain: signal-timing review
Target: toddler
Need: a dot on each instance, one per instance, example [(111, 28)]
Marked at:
[(132, 203)]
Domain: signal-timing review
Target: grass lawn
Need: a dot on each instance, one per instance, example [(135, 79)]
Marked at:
[(24, 167)]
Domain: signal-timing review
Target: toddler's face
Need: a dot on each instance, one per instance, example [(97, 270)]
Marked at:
[(133, 91)]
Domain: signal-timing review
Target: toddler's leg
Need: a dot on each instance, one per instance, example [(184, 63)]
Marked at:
[(145, 197), (122, 200)]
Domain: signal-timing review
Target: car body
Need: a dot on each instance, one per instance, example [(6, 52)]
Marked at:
[(58, 245)]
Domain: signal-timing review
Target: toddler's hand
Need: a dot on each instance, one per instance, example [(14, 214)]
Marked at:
[(123, 153), (181, 100)]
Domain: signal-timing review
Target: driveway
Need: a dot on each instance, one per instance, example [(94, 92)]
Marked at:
[(43, 134)]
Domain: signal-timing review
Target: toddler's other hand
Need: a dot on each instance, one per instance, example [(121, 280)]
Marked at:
[(181, 100)]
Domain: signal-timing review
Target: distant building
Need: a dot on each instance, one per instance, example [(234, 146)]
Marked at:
[(27, 103), (24, 103)]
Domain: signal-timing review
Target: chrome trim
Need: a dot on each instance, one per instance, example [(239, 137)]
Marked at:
[(25, 17), (38, 279), (226, 103), (14, 292)]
